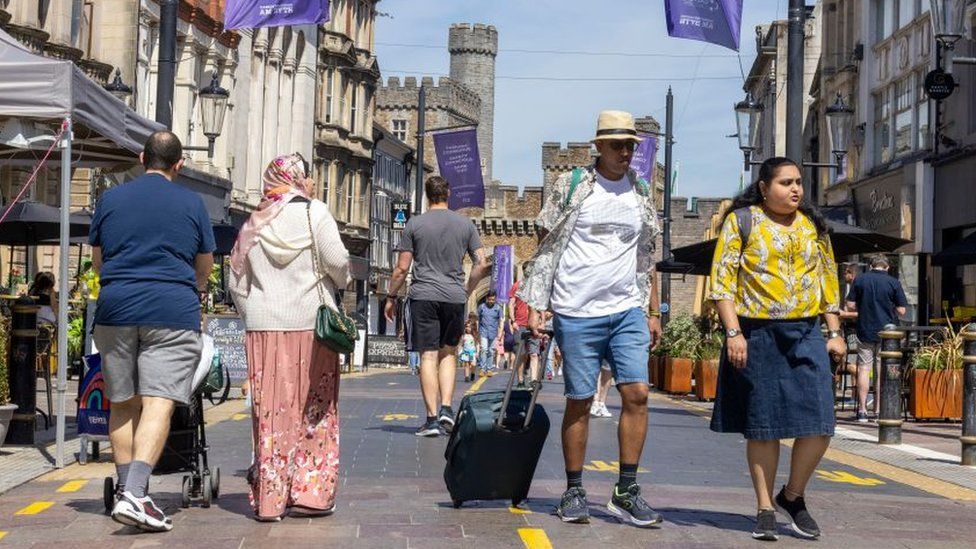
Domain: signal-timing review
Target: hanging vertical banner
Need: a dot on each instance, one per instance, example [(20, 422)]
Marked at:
[(460, 165), (502, 271), (251, 14), (715, 21), (645, 158)]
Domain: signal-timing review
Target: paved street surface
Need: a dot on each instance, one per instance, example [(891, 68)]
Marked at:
[(393, 495)]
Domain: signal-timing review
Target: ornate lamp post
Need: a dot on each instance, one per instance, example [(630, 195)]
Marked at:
[(118, 88), (213, 107)]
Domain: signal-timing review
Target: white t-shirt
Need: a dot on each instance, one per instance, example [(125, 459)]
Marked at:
[(597, 273)]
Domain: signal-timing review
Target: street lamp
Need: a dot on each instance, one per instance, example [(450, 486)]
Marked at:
[(840, 118), (948, 21), (118, 88), (213, 107), (747, 114)]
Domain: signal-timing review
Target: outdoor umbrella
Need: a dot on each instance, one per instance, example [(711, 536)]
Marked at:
[(846, 240), (224, 236), (32, 223), (960, 253)]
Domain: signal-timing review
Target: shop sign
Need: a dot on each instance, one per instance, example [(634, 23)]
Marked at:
[(879, 205)]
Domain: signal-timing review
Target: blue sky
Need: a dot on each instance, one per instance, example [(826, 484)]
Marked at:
[(529, 112)]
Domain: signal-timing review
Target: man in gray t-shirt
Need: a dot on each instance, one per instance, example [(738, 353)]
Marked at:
[(435, 243)]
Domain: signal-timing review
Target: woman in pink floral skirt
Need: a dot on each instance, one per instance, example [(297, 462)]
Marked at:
[(294, 380)]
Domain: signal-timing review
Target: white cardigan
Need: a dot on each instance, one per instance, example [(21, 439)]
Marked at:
[(277, 291)]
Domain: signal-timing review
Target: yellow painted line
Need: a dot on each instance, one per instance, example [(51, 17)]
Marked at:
[(35, 508), (3, 534), (847, 478), (239, 417), (919, 481), (518, 511), (72, 486), (608, 467), (534, 538), (476, 385), (397, 417)]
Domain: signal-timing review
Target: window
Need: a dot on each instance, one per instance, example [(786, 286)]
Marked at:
[(923, 113), (904, 107), (906, 12), (400, 129), (885, 18), (882, 127), (350, 195), (327, 182), (354, 111), (344, 90), (329, 92), (338, 204), (364, 199)]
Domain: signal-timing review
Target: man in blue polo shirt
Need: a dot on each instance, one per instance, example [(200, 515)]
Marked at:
[(152, 243), (879, 300)]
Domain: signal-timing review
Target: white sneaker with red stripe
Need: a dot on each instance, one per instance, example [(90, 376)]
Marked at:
[(141, 513)]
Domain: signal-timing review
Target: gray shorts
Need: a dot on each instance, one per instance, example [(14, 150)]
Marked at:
[(534, 345), (868, 355), (144, 361)]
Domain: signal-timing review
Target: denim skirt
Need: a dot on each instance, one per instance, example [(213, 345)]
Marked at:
[(786, 388)]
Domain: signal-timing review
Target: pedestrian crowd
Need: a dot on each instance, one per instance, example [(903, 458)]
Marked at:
[(585, 308)]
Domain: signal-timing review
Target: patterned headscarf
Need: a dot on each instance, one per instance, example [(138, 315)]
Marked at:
[(285, 178)]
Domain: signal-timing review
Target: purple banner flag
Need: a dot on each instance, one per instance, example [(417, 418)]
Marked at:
[(715, 21), (502, 271), (460, 165), (644, 158), (251, 14)]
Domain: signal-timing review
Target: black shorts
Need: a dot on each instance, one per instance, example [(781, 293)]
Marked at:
[(434, 324)]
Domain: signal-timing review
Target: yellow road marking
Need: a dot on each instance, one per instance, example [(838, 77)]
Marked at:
[(608, 467), (397, 417), (476, 385), (519, 511), (72, 486), (847, 478), (534, 538), (239, 417), (3, 534), (35, 508), (919, 481)]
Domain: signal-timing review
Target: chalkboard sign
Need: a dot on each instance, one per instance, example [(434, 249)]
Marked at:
[(388, 350), (227, 332)]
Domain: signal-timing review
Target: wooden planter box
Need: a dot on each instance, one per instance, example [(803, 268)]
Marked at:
[(652, 370), (677, 375), (706, 379), (936, 394)]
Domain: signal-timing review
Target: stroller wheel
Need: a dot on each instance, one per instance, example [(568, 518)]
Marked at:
[(185, 502), (206, 487), (215, 483), (108, 495)]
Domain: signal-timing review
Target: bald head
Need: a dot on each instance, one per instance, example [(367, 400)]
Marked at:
[(162, 152)]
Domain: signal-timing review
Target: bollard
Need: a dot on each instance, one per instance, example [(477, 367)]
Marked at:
[(968, 437), (889, 415), (21, 372)]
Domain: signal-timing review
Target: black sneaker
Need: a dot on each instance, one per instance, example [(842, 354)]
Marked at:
[(573, 506), (430, 429), (803, 524), (862, 417), (765, 529), (521, 385), (446, 418), (629, 506), (141, 513)]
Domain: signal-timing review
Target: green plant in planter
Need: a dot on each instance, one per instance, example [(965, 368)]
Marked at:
[(4, 339), (681, 337), (76, 336), (941, 354), (710, 346)]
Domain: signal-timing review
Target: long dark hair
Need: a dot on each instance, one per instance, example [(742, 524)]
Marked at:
[(752, 195), (43, 282)]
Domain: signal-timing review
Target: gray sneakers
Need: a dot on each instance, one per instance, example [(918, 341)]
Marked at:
[(573, 506), (630, 507)]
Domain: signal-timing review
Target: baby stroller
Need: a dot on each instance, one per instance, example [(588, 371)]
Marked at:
[(186, 446)]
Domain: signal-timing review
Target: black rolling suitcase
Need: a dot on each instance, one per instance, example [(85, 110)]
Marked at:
[(493, 455)]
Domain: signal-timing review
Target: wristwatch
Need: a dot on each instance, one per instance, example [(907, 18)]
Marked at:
[(834, 333), (733, 332)]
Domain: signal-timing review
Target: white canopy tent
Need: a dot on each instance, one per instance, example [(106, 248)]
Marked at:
[(38, 97)]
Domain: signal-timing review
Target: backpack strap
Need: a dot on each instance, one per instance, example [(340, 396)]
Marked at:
[(743, 217), (573, 183)]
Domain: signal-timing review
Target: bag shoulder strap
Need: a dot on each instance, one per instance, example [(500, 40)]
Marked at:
[(743, 217), (573, 183), (315, 255)]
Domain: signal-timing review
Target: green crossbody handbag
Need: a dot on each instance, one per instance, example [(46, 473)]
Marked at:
[(333, 327)]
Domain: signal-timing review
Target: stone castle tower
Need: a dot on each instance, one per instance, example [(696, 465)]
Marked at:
[(473, 50)]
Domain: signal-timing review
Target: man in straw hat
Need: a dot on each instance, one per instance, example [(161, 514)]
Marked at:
[(595, 270)]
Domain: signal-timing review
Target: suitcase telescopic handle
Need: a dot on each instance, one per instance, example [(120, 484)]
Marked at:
[(536, 384)]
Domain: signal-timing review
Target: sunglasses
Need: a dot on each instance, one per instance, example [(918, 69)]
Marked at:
[(618, 146)]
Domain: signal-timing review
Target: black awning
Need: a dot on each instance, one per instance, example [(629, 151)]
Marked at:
[(960, 253)]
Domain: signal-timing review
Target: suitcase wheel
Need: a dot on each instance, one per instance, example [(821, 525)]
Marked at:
[(457, 503)]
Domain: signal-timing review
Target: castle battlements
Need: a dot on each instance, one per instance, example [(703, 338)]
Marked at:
[(555, 156), (477, 38), (445, 94)]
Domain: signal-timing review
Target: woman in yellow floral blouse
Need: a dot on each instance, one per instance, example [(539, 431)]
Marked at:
[(771, 289)]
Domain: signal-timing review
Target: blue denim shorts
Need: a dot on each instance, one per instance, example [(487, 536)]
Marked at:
[(621, 339)]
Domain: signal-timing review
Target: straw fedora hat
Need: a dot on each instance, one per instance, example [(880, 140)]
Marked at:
[(616, 125)]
